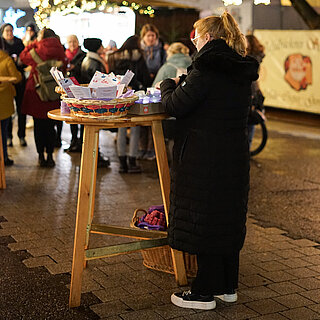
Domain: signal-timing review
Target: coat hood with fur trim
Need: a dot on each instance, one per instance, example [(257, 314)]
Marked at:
[(218, 56)]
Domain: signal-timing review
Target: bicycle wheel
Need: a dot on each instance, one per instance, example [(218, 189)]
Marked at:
[(260, 137)]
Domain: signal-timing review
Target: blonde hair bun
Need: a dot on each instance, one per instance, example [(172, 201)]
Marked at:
[(177, 47)]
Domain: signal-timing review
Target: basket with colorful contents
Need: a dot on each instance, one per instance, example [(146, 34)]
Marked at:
[(160, 258), (100, 109)]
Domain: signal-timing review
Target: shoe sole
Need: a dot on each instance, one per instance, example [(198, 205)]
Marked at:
[(192, 304), (228, 297)]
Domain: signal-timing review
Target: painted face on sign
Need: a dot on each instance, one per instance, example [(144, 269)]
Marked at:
[(298, 71), (297, 67)]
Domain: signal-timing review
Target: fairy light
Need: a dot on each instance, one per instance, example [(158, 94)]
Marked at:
[(44, 8)]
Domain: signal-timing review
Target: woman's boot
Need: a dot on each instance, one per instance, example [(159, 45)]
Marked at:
[(50, 161), (42, 160), (123, 164), (133, 167)]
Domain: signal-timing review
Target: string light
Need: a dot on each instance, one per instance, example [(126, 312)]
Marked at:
[(44, 8)]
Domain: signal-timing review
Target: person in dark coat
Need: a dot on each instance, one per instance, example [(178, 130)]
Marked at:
[(90, 64), (130, 57), (75, 57), (210, 170), (14, 46), (48, 47)]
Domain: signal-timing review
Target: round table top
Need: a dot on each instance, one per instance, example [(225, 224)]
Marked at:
[(117, 122)]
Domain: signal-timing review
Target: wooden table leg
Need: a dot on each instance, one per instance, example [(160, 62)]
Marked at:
[(84, 207), (164, 177), (2, 172)]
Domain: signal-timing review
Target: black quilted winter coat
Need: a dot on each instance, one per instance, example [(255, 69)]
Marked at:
[(210, 171)]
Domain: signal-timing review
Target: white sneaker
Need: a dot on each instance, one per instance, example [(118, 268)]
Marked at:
[(228, 297)]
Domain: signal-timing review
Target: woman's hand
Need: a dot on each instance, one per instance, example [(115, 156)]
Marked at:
[(176, 80), (157, 85)]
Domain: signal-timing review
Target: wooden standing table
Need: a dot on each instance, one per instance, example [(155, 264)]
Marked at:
[(86, 199)]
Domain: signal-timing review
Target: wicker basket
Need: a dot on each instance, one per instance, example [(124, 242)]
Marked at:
[(99, 109), (160, 258)]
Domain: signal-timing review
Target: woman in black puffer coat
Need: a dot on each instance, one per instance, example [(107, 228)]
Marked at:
[(210, 172)]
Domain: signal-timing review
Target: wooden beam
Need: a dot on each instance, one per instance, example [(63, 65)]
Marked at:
[(127, 232), (104, 252)]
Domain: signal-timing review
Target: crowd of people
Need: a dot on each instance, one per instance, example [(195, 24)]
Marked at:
[(145, 55)]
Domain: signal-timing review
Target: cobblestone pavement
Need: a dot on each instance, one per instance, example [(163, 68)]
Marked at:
[(279, 267)]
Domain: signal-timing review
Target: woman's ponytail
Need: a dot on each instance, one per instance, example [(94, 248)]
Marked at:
[(233, 36)]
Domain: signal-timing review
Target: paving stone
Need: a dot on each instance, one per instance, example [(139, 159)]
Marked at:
[(293, 300), (266, 306), (25, 236), (237, 312), (272, 265), (303, 272), (309, 251), (249, 269), (301, 314), (315, 307), (206, 315), (308, 283), (295, 262), (136, 302), (278, 276), (265, 256), (304, 243), (254, 280), (59, 268), (258, 293), (114, 269), (171, 311), (315, 260), (38, 262), (282, 245), (141, 315), (25, 245), (110, 308), (111, 294), (288, 253), (142, 288), (273, 316), (44, 251), (276, 237), (273, 230), (312, 294), (285, 288)]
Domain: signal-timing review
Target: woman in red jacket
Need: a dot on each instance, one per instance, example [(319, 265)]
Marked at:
[(48, 47)]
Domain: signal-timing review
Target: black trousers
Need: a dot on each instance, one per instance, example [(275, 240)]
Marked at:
[(44, 135), (21, 117), (217, 274), (74, 131)]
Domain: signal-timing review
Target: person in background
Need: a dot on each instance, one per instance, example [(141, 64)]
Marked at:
[(90, 64), (75, 57), (110, 48), (47, 47), (177, 59), (256, 50), (210, 170), (30, 34), (14, 47), (92, 61), (155, 56), (130, 57), (7, 93)]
